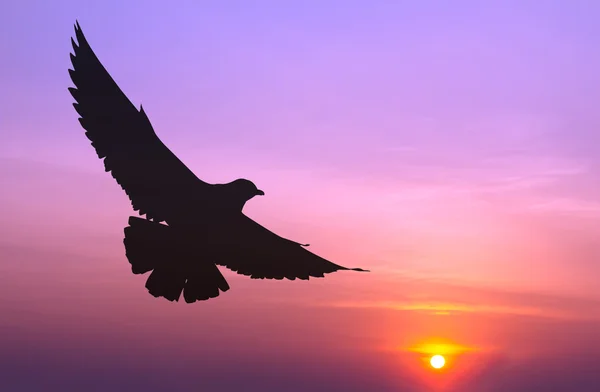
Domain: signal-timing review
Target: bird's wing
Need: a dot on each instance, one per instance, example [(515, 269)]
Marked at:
[(261, 254), (146, 169)]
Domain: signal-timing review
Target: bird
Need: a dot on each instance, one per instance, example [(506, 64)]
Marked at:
[(185, 227)]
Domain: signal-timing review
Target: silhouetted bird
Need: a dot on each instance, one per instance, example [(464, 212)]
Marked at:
[(205, 223)]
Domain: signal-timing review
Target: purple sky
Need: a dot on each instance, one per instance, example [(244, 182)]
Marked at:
[(451, 149)]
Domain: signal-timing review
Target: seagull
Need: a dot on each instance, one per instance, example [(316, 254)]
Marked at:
[(186, 226)]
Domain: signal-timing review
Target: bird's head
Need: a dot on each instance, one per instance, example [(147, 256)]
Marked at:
[(246, 189)]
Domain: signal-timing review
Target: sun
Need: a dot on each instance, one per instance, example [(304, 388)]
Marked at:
[(437, 361)]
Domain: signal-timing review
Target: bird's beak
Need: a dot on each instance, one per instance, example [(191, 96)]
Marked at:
[(259, 192)]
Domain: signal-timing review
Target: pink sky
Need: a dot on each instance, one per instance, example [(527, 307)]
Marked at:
[(451, 150)]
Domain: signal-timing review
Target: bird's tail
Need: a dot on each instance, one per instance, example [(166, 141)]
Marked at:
[(176, 268)]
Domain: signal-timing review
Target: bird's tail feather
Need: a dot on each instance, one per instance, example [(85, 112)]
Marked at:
[(176, 268)]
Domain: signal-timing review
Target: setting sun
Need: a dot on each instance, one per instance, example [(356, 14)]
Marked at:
[(437, 361)]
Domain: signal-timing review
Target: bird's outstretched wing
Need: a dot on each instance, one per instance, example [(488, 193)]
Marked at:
[(262, 254), (151, 175)]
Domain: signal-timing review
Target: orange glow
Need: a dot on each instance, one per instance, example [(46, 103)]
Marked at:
[(445, 348), (440, 354)]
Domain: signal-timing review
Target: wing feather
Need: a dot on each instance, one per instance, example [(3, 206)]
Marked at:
[(262, 254), (151, 175)]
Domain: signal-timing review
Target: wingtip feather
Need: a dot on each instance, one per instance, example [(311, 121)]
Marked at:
[(79, 35), (73, 76), (74, 93), (74, 45)]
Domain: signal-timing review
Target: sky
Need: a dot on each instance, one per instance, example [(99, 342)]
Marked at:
[(451, 148)]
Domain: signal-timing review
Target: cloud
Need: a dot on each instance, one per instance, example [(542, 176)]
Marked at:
[(443, 297), (576, 207), (441, 308)]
